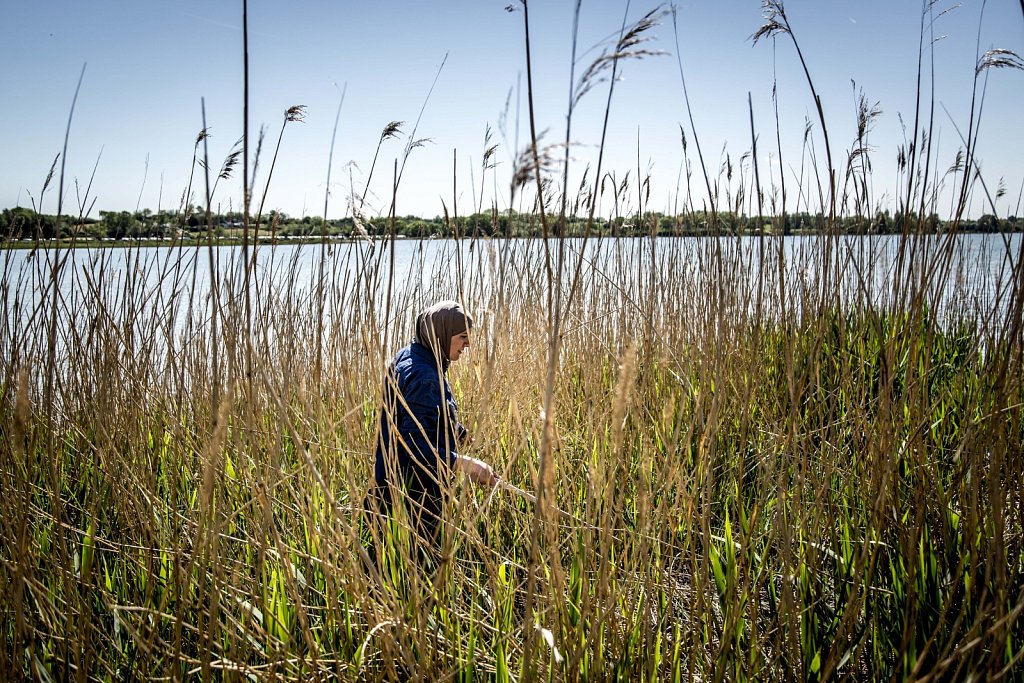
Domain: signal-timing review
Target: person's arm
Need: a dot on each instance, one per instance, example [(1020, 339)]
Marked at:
[(464, 435), (426, 414), (477, 470)]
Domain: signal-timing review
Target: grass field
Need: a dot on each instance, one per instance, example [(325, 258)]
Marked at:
[(742, 470)]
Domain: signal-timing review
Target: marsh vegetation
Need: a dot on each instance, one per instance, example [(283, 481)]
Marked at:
[(746, 459)]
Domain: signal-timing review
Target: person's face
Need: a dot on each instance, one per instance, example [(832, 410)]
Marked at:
[(458, 344)]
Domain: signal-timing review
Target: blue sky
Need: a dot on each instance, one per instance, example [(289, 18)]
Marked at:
[(150, 63)]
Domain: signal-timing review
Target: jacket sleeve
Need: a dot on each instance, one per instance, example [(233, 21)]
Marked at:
[(426, 431)]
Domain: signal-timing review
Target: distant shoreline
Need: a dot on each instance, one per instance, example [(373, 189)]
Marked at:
[(135, 243), (19, 245)]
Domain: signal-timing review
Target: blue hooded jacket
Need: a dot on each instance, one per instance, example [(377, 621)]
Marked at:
[(419, 421)]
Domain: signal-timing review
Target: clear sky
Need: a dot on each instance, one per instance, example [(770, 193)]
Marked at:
[(150, 63)]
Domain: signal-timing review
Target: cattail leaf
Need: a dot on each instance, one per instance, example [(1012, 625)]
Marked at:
[(88, 543)]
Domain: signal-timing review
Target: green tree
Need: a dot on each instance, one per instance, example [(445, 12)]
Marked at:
[(120, 224), (24, 223)]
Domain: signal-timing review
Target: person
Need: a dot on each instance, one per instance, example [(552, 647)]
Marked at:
[(421, 439)]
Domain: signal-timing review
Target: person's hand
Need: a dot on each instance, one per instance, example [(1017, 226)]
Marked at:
[(477, 470)]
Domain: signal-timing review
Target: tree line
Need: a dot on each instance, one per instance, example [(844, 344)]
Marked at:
[(25, 224)]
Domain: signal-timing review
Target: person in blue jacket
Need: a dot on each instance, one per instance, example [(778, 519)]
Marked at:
[(420, 435)]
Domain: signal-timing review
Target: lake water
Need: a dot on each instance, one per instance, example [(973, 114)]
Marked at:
[(960, 276)]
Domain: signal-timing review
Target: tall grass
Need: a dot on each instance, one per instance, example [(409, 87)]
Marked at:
[(756, 458)]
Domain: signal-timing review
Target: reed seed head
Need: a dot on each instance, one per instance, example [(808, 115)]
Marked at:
[(392, 130)]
